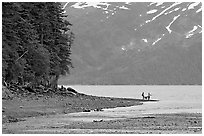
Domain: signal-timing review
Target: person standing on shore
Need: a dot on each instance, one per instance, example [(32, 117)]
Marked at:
[(143, 95), (148, 96)]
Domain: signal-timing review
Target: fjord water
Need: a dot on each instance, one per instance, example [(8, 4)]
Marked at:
[(172, 99)]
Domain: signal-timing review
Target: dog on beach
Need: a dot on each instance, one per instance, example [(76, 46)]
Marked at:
[(145, 97)]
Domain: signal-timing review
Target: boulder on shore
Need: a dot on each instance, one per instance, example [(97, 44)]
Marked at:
[(72, 90)]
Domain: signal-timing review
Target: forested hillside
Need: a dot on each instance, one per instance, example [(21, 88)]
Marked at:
[(36, 43)]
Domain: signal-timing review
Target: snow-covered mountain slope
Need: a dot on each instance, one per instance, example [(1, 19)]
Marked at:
[(125, 43)]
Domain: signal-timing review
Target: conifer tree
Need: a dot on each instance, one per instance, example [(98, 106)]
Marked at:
[(36, 42)]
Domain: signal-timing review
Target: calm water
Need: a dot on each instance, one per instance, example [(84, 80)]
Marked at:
[(172, 99)]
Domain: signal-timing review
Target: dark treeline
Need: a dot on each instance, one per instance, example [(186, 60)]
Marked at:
[(36, 42)]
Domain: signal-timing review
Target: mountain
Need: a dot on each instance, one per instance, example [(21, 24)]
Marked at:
[(136, 43)]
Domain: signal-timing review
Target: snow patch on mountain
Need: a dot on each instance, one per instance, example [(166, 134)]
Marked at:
[(176, 9), (199, 10), (195, 30), (152, 11), (64, 6), (163, 7), (123, 7), (106, 12), (145, 40), (159, 3), (151, 3), (158, 39), (193, 5), (83, 5), (168, 27)]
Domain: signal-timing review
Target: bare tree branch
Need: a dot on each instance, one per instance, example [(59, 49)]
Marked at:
[(22, 55)]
